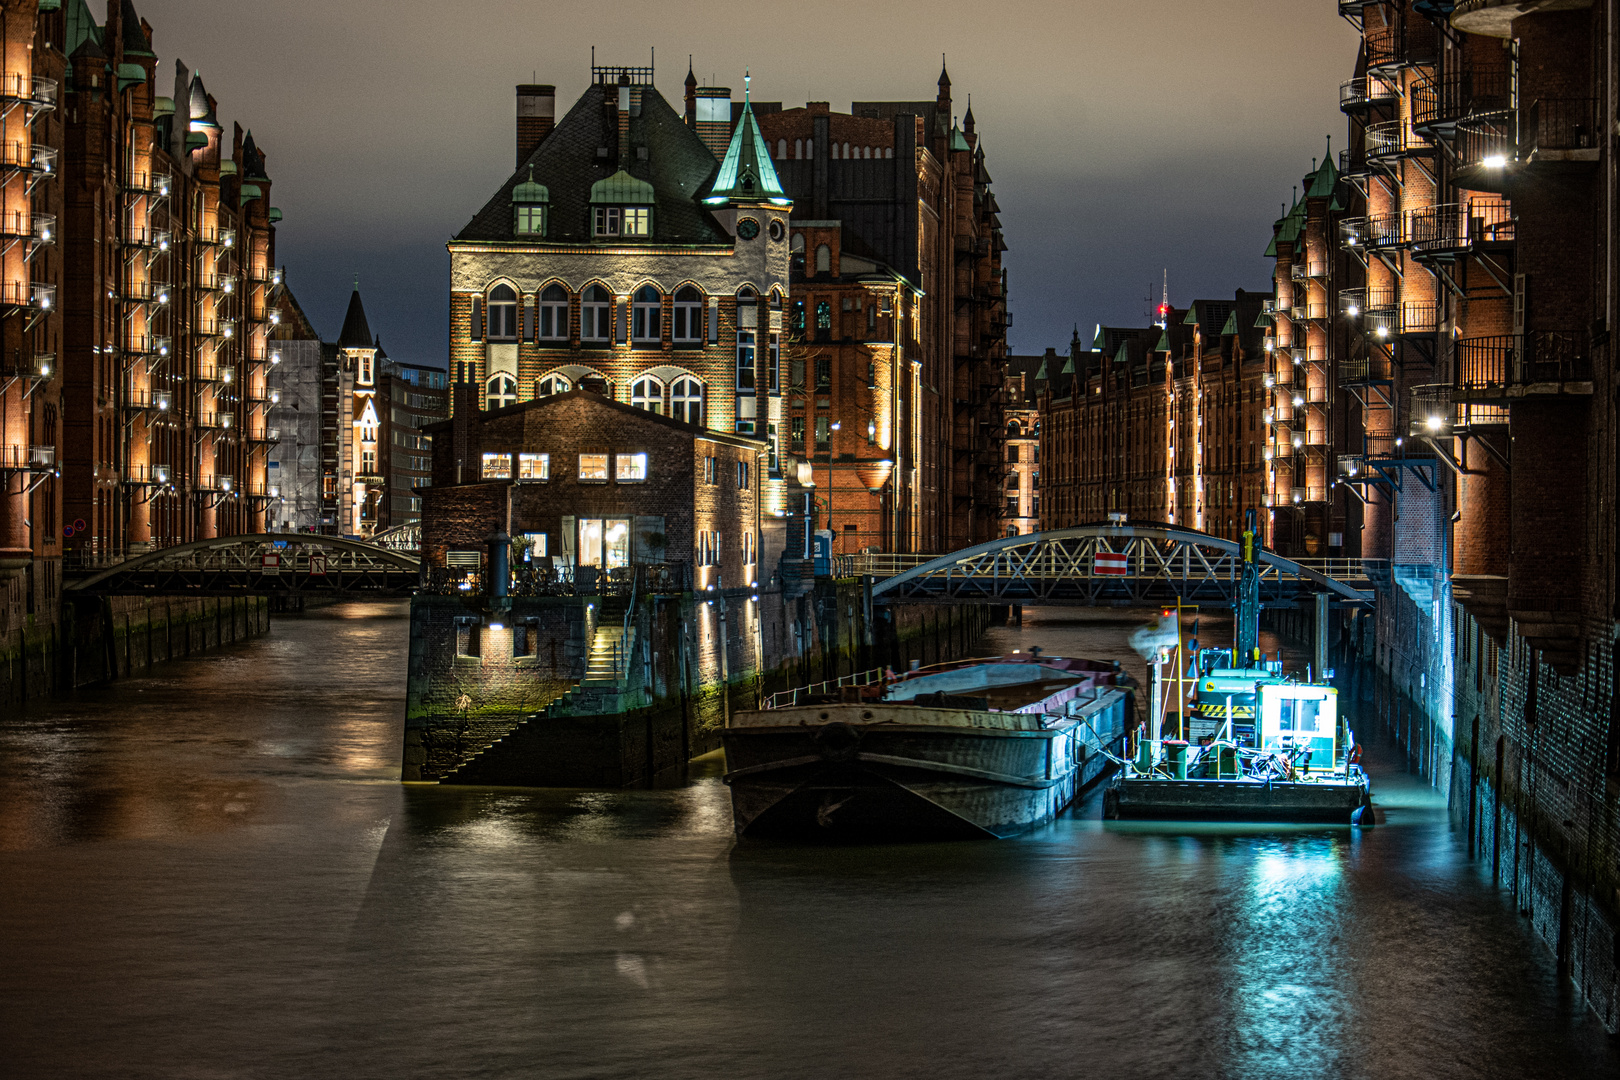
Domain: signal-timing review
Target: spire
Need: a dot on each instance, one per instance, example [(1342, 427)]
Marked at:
[(942, 104), (746, 172), (356, 331), (944, 76), (967, 117)]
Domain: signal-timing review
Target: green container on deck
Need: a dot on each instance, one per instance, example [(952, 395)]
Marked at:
[(1175, 753)]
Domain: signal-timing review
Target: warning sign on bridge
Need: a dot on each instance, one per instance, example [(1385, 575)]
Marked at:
[(270, 562), (1109, 564), (317, 564)]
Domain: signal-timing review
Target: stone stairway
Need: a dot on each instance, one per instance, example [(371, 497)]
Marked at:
[(606, 660)]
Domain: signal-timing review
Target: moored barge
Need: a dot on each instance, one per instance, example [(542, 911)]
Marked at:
[(978, 748)]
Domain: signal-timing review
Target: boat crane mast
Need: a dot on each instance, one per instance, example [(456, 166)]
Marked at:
[(1246, 634)]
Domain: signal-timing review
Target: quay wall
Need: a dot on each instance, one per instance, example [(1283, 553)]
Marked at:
[(476, 677), (95, 639)]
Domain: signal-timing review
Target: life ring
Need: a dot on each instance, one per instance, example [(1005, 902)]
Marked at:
[(1354, 757)]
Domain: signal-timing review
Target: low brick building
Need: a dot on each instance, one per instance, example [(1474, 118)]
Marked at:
[(580, 480)]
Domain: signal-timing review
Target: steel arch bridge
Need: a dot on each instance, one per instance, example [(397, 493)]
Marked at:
[(260, 563), (1162, 564)]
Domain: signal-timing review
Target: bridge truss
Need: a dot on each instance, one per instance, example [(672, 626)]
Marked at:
[(260, 563), (1161, 564)]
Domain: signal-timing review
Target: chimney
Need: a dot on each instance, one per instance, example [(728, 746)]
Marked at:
[(536, 116), (691, 95), (624, 121), (714, 118)]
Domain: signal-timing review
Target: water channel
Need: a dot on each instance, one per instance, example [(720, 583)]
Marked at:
[(214, 873)]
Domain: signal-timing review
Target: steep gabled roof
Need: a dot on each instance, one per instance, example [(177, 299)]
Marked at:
[(356, 331), (135, 40), (677, 165), (746, 171)]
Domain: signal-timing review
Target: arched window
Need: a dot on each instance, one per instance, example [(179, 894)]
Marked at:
[(688, 316), (823, 315), (596, 308), (888, 151), (686, 400), (823, 259), (554, 313), (781, 149), (833, 152), (647, 311), (647, 393), (846, 149), (500, 391), (551, 384), (1015, 430), (503, 324), (798, 149), (796, 251)]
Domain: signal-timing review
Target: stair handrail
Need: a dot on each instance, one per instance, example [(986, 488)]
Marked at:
[(623, 669)]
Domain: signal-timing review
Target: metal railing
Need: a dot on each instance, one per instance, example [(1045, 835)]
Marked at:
[(1355, 93), (36, 90), (1459, 95), (1538, 356), (1451, 227), (1559, 124), (33, 294), (29, 156), (15, 457), (788, 698)]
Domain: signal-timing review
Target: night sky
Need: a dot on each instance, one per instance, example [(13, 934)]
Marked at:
[(1123, 138)]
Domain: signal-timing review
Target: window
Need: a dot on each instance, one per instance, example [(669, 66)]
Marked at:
[(823, 433), (745, 361), (688, 328), (823, 259), (647, 310), (1012, 507), (551, 384), (743, 470), (773, 462), (629, 468), (1012, 452), (796, 252), (686, 401), (368, 461), (647, 393), (501, 390), (748, 549), (823, 372), (823, 316), (554, 313), (709, 470), (534, 467), (773, 361), (607, 221), (781, 149), (365, 370), (503, 324), (796, 434), (596, 308), (496, 467), (798, 313), (593, 467), (531, 220), (637, 221)]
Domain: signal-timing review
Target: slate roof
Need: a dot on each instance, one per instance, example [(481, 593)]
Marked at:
[(678, 166), (356, 331), (135, 40)]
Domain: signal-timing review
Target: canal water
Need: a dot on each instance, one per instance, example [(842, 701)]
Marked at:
[(214, 873)]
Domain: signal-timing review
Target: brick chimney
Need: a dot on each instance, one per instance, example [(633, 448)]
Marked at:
[(624, 121), (536, 116), (714, 118)]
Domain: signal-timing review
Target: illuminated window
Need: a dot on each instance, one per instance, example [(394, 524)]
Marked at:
[(554, 313), (647, 393), (796, 434), (646, 315), (823, 433), (534, 467), (596, 314), (629, 468), (623, 221), (688, 328), (686, 401), (823, 315), (500, 391), (551, 384), (531, 220), (368, 461), (503, 324), (593, 468), (496, 467)]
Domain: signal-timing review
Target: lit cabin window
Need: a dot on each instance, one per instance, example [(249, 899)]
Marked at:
[(534, 467), (630, 468), (496, 467), (593, 468), (554, 313)]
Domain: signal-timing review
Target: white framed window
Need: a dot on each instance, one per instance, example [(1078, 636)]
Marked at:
[(496, 467), (593, 468), (622, 221), (596, 314), (647, 315), (503, 314), (748, 549), (365, 371), (637, 221), (629, 468), (551, 384), (688, 329), (746, 362), (500, 391), (531, 219), (368, 461), (647, 393), (534, 467), (554, 313), (606, 221), (686, 400)]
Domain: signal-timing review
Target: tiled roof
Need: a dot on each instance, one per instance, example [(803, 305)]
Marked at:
[(356, 331), (677, 165)]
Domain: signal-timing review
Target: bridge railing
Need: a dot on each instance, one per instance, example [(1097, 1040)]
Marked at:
[(888, 564)]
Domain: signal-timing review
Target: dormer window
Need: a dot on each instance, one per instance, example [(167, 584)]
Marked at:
[(623, 221), (621, 205), (530, 202)]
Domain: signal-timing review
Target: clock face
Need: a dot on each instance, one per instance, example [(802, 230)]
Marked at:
[(747, 228)]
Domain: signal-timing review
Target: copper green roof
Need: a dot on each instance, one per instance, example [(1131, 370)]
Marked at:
[(1164, 342), (1263, 319), (746, 171), (250, 192), (621, 187), (1040, 372), (1068, 367), (130, 75), (1288, 228), (1231, 326), (958, 142), (531, 192), (1322, 181)]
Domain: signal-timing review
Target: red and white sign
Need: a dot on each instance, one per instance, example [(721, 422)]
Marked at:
[(270, 562), (317, 564), (1109, 564)]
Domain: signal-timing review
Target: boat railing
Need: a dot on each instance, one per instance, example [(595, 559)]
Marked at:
[(788, 698)]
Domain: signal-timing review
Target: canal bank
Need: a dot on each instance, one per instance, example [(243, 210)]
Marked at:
[(101, 638)]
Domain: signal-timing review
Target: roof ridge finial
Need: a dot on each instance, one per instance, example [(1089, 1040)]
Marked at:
[(357, 282), (747, 79)]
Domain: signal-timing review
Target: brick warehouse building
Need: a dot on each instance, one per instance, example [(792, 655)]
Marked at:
[(899, 318), (622, 251)]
